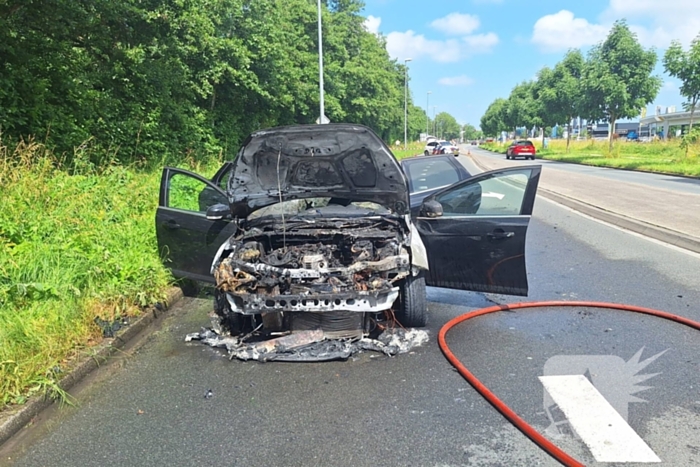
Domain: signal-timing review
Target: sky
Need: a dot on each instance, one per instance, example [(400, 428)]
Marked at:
[(469, 52)]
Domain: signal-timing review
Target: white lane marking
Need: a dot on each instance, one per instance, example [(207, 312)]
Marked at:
[(604, 431), (616, 227), (491, 194)]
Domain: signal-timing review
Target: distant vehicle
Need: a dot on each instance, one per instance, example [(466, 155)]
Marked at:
[(521, 148), (632, 136), (430, 147), (445, 147), (474, 142)]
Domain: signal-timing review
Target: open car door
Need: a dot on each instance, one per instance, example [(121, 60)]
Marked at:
[(474, 231), (192, 221)]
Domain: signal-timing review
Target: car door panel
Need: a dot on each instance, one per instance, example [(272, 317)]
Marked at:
[(478, 243), (187, 240)]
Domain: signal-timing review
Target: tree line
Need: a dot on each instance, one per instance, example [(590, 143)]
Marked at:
[(143, 80), (614, 81)]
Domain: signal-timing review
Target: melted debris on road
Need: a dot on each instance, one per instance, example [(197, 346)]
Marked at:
[(309, 346)]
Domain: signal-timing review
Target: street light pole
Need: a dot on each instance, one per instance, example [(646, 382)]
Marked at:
[(320, 66), (427, 115), (434, 122), (405, 102)]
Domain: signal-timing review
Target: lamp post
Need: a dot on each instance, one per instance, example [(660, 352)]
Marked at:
[(427, 115), (321, 117), (434, 122), (405, 102)]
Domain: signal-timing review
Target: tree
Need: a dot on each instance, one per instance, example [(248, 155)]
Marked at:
[(470, 132), (521, 107), (493, 120), (558, 92), (149, 79), (616, 78), (446, 125), (686, 67)]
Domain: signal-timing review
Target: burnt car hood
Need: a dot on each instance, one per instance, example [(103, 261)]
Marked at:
[(303, 161)]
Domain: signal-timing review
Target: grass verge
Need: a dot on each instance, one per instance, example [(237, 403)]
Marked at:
[(76, 244), (662, 157)]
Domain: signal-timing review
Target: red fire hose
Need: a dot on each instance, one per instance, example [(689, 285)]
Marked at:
[(519, 423)]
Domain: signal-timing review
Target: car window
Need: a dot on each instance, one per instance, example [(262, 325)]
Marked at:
[(426, 174), (524, 143), (499, 195), (191, 194)]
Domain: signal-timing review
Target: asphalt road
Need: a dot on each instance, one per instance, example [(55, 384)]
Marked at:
[(148, 407)]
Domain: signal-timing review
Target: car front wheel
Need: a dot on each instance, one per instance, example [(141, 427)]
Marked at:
[(426, 153), (412, 310), (236, 323)]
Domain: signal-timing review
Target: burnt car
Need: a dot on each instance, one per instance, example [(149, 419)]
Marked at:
[(310, 227)]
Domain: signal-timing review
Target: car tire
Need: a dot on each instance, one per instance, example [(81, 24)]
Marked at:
[(189, 287), (532, 158), (412, 310), (426, 153), (507, 156), (235, 323)]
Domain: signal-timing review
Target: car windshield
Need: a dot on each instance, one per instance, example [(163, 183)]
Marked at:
[(321, 206), (524, 143), (444, 143), (427, 174)]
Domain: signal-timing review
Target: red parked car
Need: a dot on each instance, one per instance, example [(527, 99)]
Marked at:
[(521, 148)]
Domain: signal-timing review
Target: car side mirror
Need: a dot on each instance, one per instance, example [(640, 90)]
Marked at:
[(431, 208), (217, 212)]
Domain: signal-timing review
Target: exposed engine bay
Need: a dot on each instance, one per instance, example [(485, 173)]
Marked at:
[(312, 272)]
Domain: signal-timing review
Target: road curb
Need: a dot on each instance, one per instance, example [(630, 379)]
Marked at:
[(656, 232), (14, 419)]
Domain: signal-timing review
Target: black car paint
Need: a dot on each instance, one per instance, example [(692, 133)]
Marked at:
[(303, 161), (188, 240), (479, 253)]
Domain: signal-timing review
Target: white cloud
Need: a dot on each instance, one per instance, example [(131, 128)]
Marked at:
[(409, 44), (401, 45), (656, 25), (670, 85), (562, 31), (456, 24), (372, 24), (462, 80), (482, 42)]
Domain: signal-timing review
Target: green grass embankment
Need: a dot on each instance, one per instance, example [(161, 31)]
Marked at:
[(75, 244), (658, 156)]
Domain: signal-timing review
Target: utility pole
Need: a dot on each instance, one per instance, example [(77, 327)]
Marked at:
[(405, 102), (322, 117), (427, 115)]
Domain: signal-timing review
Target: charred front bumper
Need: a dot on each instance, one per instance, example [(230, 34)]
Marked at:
[(312, 290), (315, 269)]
